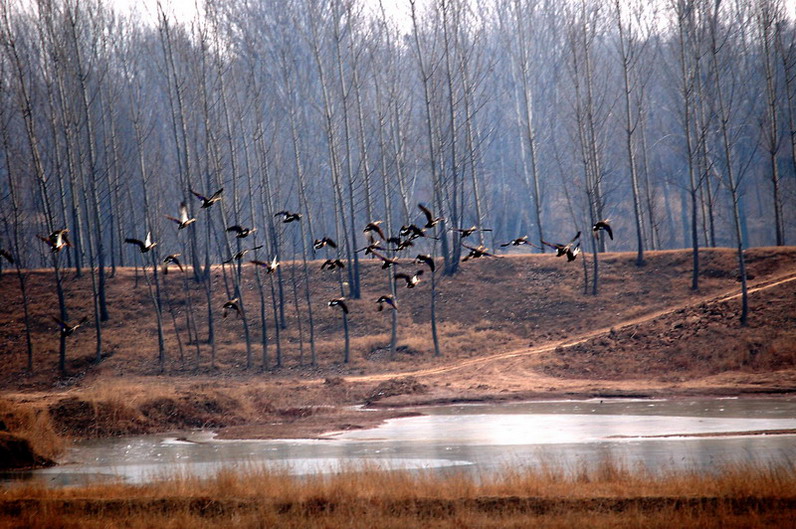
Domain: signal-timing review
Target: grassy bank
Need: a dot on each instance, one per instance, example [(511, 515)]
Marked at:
[(603, 495)]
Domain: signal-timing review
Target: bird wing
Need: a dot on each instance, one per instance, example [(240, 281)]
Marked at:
[(45, 239), (427, 213), (575, 238), (7, 255), (136, 241), (184, 212), (236, 228), (60, 322), (217, 194), (330, 242), (202, 197), (175, 219), (609, 230)]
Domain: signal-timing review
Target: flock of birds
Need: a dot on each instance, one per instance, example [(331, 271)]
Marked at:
[(378, 245)]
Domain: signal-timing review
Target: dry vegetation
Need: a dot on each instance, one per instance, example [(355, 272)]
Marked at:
[(516, 327), (605, 495)]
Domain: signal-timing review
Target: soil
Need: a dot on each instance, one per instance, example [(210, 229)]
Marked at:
[(511, 328)]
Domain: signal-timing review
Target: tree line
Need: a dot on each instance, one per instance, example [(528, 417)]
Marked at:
[(673, 120)]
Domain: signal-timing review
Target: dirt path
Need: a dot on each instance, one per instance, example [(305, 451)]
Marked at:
[(530, 351)]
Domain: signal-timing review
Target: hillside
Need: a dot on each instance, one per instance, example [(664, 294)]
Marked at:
[(513, 327)]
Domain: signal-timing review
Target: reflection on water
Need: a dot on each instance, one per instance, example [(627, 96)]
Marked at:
[(480, 438)]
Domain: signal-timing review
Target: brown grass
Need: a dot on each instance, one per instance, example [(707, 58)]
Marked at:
[(605, 495)]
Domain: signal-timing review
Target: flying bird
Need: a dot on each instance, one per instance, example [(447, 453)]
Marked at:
[(516, 242), (238, 256), (144, 246), (171, 258), (373, 226), (386, 262), (431, 220), (270, 267), (572, 252), (602, 225), (477, 252), (426, 259), (5, 253), (333, 264), (389, 299), (466, 232), (57, 240), (229, 305), (563, 249), (66, 329), (373, 244), (413, 232), (240, 231), (326, 241), (207, 202), (338, 302), (184, 220), (411, 281), (287, 216)]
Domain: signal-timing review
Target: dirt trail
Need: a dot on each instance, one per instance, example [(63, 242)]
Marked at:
[(529, 351)]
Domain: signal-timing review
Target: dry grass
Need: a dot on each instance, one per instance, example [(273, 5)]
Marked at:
[(605, 495)]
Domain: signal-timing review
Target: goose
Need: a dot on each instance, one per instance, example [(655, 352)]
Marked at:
[(238, 256), (572, 252), (57, 240), (389, 299), (185, 220), (602, 225), (386, 262), (240, 231), (333, 264), (373, 244), (171, 258), (411, 281), (426, 259), (338, 302), (143, 246), (516, 242), (207, 202), (66, 329), (270, 267), (477, 252), (326, 241), (400, 244), (287, 216), (561, 249), (466, 232), (374, 226), (412, 231), (5, 253), (431, 220), (229, 305)]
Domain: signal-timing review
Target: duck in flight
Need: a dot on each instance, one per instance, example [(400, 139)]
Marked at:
[(431, 220), (389, 299), (326, 241), (208, 201), (229, 305), (171, 258), (184, 220), (466, 232), (144, 245), (270, 267), (287, 216), (386, 262), (411, 280), (57, 240), (374, 226), (66, 329), (7, 255), (602, 225), (240, 231), (561, 249), (238, 256), (427, 260), (338, 302), (477, 252), (333, 264)]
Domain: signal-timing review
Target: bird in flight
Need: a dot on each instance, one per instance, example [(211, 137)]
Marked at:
[(425, 259), (65, 328), (571, 249), (477, 252), (231, 304), (171, 258), (411, 280), (333, 264), (144, 245), (389, 299), (270, 267), (326, 241), (57, 240), (604, 226), (374, 226), (431, 220), (287, 216), (184, 220), (208, 201), (240, 231), (339, 302)]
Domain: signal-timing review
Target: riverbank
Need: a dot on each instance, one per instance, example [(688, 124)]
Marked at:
[(601, 495), (647, 335)]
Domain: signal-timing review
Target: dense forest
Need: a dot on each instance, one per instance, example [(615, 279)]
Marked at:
[(675, 121)]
